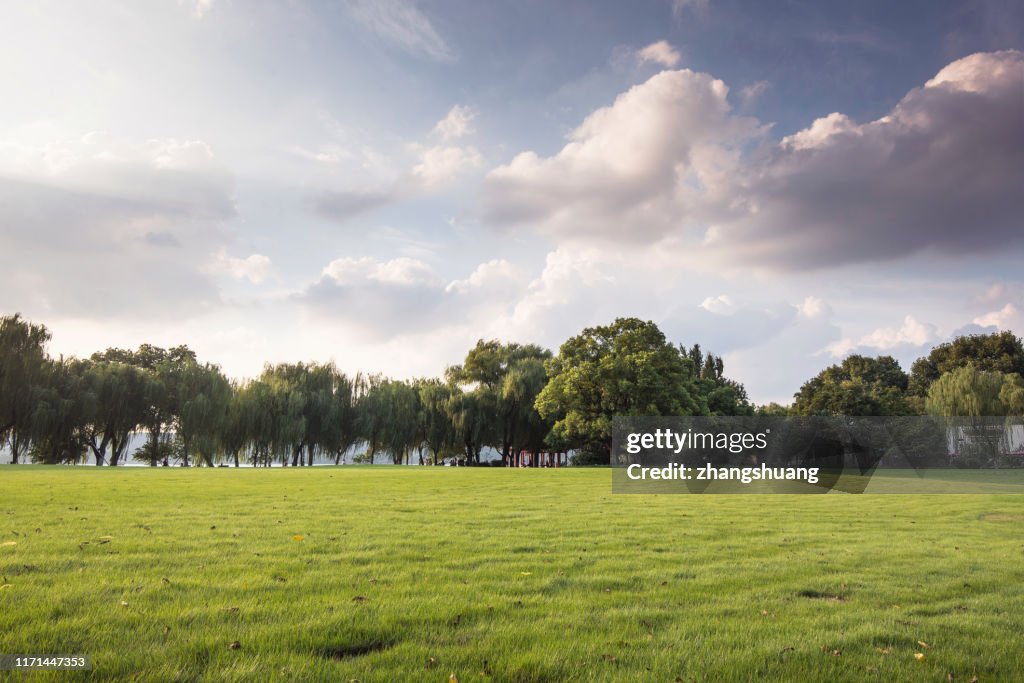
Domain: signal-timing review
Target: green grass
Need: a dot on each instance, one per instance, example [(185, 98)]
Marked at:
[(412, 574)]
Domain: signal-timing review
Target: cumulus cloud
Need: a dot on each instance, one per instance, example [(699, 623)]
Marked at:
[(442, 164), (402, 24), (630, 171), (491, 276), (940, 172), (403, 271), (660, 52), (912, 333), (670, 161), (1006, 318), (813, 307)]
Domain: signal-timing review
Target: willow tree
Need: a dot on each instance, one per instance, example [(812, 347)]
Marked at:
[(203, 400), (117, 408), (22, 365), (967, 392), (505, 380), (163, 370), (436, 433), (60, 406), (972, 397)]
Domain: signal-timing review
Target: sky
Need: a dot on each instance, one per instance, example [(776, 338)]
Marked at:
[(383, 182)]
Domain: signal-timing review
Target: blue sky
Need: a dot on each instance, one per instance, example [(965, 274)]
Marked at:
[(383, 182)]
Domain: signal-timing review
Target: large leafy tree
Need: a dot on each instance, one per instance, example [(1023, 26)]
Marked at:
[(22, 366), (624, 369), (858, 386), (1000, 352)]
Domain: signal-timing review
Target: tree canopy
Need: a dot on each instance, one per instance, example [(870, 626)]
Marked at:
[(857, 386), (1000, 352)]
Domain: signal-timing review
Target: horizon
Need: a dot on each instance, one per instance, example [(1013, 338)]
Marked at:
[(381, 184)]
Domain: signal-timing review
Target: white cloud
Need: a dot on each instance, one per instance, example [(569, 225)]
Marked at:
[(440, 165), (497, 274), (457, 123), (820, 132), (255, 268), (660, 52), (404, 271), (813, 307), (630, 170), (1006, 318), (911, 333), (401, 23), (719, 305)]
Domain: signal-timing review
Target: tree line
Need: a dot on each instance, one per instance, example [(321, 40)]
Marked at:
[(969, 376), (505, 396)]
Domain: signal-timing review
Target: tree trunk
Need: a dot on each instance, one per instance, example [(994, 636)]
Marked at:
[(154, 441)]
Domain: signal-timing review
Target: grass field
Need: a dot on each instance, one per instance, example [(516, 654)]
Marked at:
[(412, 574)]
